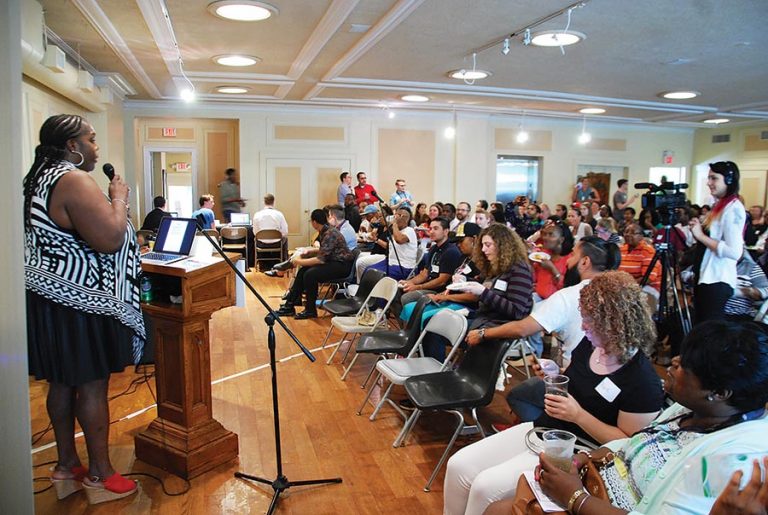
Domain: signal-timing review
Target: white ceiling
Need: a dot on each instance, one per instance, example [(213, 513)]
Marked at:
[(634, 50)]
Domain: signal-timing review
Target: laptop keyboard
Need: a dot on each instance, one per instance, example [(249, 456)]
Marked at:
[(159, 256)]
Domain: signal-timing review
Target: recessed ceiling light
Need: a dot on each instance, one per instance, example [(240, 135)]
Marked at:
[(242, 10), (557, 38), (236, 60), (717, 121), (414, 98), (679, 95), (592, 110), (469, 74), (232, 90)]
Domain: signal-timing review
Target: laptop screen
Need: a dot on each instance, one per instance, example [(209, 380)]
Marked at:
[(176, 235), (240, 218)]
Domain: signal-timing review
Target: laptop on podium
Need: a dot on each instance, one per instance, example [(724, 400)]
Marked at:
[(174, 241)]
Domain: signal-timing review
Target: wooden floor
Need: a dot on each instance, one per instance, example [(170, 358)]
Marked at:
[(322, 437)]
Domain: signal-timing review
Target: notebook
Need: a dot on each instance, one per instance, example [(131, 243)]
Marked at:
[(238, 219), (174, 241)]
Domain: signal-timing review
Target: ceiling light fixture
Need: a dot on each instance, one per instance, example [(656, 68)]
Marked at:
[(584, 137), (242, 10), (558, 38), (232, 90), (235, 60), (679, 95), (504, 47), (187, 93), (450, 132), (414, 98), (592, 110), (717, 121), (469, 74), (522, 134)]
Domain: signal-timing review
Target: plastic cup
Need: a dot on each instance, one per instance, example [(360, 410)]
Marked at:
[(558, 446), (549, 367), (556, 385)]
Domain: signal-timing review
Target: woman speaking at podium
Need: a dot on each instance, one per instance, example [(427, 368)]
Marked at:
[(83, 316)]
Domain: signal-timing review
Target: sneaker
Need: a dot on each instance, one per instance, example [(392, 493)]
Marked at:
[(406, 405), (498, 428)]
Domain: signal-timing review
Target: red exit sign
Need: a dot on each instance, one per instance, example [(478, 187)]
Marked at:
[(169, 132)]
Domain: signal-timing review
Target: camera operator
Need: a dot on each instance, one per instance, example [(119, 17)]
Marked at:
[(722, 242)]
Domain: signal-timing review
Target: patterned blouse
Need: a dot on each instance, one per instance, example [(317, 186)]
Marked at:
[(333, 246), (60, 266)]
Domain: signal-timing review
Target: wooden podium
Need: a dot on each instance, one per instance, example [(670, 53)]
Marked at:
[(185, 439)]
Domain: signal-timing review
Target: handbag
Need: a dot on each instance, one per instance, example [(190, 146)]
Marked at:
[(525, 503), (366, 317)]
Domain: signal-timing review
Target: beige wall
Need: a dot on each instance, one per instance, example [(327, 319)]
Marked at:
[(410, 155)]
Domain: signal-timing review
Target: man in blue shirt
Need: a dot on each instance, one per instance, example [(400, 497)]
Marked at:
[(336, 219), (400, 198), (345, 188), (205, 213)]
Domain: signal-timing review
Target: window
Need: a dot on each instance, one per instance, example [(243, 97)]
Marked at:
[(672, 174), (517, 175)]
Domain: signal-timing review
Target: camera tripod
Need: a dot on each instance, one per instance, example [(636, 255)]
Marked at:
[(670, 277)]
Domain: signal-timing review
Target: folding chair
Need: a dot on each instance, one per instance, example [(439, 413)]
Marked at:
[(351, 305)]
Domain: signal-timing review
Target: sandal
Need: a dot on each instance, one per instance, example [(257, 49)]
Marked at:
[(114, 487), (69, 485)]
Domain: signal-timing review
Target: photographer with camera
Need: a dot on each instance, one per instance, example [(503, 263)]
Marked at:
[(721, 239)]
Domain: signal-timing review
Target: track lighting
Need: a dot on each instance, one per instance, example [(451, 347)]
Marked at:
[(505, 46)]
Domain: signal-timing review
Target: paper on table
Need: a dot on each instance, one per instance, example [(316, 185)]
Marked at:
[(547, 504)]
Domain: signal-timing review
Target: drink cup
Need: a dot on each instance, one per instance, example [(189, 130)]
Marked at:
[(556, 385), (558, 446)]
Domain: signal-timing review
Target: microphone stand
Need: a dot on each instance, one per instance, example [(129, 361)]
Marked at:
[(281, 482)]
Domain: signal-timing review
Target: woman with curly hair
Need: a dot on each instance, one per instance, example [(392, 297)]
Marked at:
[(613, 392), (504, 293)]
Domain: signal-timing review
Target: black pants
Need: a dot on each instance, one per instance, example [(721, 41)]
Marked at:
[(309, 277), (709, 301)]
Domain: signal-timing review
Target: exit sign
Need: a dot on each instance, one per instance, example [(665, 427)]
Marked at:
[(169, 132), (668, 157)]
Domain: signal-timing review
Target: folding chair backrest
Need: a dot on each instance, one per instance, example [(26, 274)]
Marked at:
[(481, 365), (234, 234), (268, 234), (368, 281), (448, 324), (385, 289)]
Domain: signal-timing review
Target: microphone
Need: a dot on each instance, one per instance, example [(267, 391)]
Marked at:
[(376, 195), (109, 171)]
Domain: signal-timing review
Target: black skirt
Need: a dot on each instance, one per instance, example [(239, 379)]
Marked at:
[(70, 347)]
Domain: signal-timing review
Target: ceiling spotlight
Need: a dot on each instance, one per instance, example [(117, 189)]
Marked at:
[(557, 38), (414, 98), (585, 138), (390, 114), (187, 95), (527, 37), (232, 90), (679, 95), (449, 132), (522, 136), (242, 10), (236, 60), (592, 110), (717, 121), (505, 46), (469, 74)]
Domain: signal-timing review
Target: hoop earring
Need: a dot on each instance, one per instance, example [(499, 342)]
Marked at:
[(82, 157)]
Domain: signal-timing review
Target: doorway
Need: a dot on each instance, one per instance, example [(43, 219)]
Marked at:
[(170, 172), (301, 185)]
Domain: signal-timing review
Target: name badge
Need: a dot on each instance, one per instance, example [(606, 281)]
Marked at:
[(466, 270), (435, 269), (500, 285), (608, 389)]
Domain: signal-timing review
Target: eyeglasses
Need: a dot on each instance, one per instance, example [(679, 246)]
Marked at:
[(633, 232)]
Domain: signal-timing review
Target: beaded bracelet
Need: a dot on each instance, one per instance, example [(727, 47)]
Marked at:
[(574, 497)]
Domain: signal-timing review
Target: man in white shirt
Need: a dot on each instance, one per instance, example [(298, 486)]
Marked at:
[(271, 218)]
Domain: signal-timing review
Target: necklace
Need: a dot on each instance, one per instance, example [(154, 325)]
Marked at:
[(598, 353)]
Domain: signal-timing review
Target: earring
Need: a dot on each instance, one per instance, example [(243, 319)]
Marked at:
[(82, 157), (710, 397)]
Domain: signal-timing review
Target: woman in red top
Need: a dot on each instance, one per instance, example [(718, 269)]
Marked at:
[(548, 274)]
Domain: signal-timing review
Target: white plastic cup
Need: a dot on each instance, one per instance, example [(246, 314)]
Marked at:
[(558, 446), (556, 385)]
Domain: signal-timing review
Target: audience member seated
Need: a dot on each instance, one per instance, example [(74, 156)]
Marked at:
[(750, 290), (205, 214), (628, 218), (420, 216), (271, 218), (758, 219), (482, 218), (497, 213), (606, 230), (561, 211), (604, 211), (433, 273), (579, 229), (351, 212), (449, 213), (649, 221), (560, 312), (549, 273), (369, 213), (332, 260), (463, 211), (585, 208), (720, 383), (336, 218), (152, 220), (401, 258), (613, 392), (636, 257)]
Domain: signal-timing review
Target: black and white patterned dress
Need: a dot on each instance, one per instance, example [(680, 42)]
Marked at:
[(83, 313)]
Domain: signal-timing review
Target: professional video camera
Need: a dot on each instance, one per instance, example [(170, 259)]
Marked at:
[(663, 198)]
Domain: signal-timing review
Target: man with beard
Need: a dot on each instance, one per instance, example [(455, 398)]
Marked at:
[(561, 211), (463, 209), (560, 312)]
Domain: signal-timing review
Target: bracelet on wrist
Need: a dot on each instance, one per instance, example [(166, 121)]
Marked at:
[(120, 200), (581, 504), (574, 497)]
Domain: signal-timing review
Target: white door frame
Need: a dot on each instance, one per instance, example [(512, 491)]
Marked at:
[(147, 151)]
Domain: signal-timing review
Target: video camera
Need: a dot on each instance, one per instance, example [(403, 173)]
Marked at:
[(663, 198)]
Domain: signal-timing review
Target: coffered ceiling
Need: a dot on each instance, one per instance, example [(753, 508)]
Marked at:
[(370, 52)]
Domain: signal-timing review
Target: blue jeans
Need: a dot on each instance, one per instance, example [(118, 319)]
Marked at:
[(527, 399)]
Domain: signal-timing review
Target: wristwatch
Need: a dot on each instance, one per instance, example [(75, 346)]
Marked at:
[(481, 332)]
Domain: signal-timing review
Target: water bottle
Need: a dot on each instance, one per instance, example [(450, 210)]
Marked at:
[(145, 289)]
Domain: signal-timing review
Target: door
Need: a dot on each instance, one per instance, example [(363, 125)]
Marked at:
[(301, 185), (170, 173)]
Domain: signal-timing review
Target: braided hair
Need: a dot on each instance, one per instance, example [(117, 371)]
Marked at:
[(54, 134)]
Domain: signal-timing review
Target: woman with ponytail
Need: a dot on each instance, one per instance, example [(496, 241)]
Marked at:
[(83, 315), (721, 236)]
